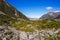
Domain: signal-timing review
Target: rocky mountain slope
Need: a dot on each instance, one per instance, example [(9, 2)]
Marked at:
[(9, 13), (9, 10), (51, 15)]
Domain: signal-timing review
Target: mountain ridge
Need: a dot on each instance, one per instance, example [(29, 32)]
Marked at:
[(51, 15)]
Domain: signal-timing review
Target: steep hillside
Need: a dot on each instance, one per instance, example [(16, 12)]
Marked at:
[(10, 10), (51, 15), (9, 14)]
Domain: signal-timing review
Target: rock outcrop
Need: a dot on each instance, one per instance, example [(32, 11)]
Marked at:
[(9, 33)]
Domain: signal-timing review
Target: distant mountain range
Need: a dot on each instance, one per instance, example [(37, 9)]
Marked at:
[(8, 12), (34, 18), (51, 15)]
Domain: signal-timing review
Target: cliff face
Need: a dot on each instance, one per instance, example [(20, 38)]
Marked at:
[(10, 10)]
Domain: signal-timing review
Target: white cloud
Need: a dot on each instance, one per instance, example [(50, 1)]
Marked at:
[(56, 11), (49, 8)]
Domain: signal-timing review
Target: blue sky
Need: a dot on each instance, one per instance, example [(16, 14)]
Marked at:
[(35, 8)]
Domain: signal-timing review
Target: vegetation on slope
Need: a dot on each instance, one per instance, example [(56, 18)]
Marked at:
[(36, 24), (10, 10), (5, 20), (11, 13)]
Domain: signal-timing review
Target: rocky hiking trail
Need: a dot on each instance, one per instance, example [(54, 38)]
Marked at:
[(9, 33)]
